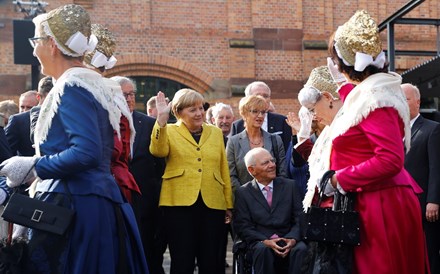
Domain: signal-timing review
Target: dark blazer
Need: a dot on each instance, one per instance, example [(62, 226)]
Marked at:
[(5, 150), (147, 170), (255, 221), (423, 163), (276, 123), (423, 159), (18, 134)]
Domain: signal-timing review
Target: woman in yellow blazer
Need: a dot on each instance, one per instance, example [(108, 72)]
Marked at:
[(196, 194)]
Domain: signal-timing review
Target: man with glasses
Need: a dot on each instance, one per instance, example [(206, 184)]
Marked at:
[(147, 171), (273, 122), (267, 214)]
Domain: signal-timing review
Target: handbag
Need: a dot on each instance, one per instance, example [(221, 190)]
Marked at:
[(37, 214), (338, 225)]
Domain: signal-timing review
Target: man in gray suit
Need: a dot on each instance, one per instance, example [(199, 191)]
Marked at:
[(267, 215), (423, 163)]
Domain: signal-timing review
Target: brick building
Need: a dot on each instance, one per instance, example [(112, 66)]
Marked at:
[(218, 46)]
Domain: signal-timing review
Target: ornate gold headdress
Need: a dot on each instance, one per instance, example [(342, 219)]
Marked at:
[(102, 56), (358, 43), (69, 26), (321, 79)]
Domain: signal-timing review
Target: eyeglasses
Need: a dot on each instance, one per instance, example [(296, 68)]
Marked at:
[(131, 94), (256, 112), (33, 40)]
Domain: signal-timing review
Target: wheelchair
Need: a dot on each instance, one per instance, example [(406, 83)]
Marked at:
[(242, 260)]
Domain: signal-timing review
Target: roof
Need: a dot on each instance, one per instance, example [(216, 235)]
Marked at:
[(426, 77)]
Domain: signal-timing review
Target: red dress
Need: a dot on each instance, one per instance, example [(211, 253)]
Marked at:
[(119, 162), (368, 159)]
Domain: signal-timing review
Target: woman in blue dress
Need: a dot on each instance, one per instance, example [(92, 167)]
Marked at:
[(74, 142)]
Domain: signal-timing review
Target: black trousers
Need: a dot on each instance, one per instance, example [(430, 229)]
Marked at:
[(195, 231)]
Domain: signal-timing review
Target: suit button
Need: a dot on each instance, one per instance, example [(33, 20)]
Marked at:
[(198, 149), (200, 170), (199, 159)]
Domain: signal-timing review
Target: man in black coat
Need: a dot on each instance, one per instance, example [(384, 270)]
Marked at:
[(18, 128), (267, 214), (273, 122), (147, 170), (423, 163)]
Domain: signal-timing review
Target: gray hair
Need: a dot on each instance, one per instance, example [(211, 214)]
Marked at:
[(413, 88), (308, 96), (8, 108), (250, 159), (255, 84), (219, 107), (122, 80)]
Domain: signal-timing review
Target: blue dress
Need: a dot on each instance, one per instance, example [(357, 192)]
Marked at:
[(76, 153)]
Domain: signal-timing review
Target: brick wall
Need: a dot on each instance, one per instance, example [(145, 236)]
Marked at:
[(219, 46)]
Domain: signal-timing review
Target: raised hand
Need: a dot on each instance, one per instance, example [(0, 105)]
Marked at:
[(306, 118), (294, 122), (163, 109), (334, 72)]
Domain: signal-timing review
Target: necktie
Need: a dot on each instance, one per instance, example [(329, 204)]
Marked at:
[(268, 195)]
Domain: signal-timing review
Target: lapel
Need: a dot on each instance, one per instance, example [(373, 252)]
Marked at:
[(184, 132), (137, 123), (416, 126), (270, 125), (267, 140), (258, 195), (278, 190), (243, 141)]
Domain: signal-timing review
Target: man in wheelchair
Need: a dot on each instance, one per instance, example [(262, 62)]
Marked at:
[(267, 216)]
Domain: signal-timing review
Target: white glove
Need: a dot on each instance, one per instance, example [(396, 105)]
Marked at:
[(306, 118), (18, 170), (334, 72)]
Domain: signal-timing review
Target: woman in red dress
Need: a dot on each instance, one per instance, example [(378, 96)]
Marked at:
[(367, 153)]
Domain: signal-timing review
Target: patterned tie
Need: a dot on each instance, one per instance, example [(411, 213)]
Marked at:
[(268, 195)]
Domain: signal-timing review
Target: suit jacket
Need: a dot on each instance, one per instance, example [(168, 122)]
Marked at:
[(18, 134), (191, 167), (146, 169), (237, 147), (255, 221), (422, 160), (276, 123), (5, 150)]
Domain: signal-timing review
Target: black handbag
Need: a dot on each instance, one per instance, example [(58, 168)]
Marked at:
[(339, 225), (37, 214)]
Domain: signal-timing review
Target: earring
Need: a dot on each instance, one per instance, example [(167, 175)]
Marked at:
[(331, 105)]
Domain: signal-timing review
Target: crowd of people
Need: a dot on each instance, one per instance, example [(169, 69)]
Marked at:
[(140, 183)]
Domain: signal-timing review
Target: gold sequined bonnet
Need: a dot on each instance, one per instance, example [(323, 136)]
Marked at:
[(63, 22), (359, 34), (321, 79), (106, 42)]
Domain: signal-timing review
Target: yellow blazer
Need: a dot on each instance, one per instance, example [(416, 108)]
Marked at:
[(192, 168)]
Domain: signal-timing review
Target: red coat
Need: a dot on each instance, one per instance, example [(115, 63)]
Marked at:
[(368, 159), (119, 162)]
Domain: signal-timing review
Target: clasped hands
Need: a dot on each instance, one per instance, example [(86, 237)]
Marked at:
[(281, 251)]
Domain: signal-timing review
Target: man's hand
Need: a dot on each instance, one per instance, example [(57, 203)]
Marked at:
[(432, 211), (280, 251), (294, 122), (228, 216), (163, 109)]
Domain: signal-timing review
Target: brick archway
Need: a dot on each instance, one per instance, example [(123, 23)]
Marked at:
[(165, 67)]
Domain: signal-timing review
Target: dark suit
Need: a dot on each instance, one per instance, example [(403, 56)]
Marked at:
[(276, 123), (255, 221), (18, 134), (423, 163), (147, 171), (5, 150)]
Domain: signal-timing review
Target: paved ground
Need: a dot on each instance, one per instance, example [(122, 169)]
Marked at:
[(166, 261)]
